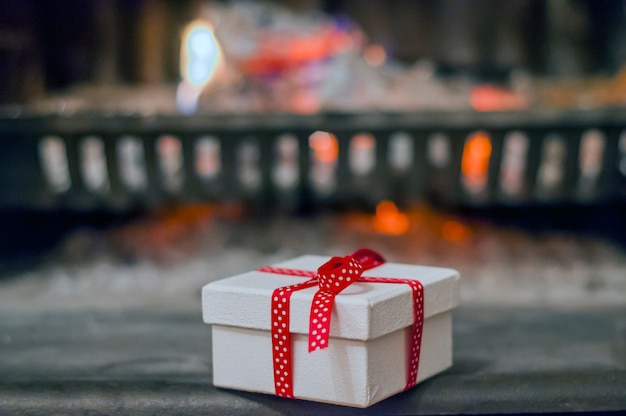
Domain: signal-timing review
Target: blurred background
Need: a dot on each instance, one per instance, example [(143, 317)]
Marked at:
[(151, 146), (49, 47)]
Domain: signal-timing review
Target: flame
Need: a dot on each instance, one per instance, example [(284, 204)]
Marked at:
[(325, 146), (388, 220), (475, 162), (494, 98), (200, 58)]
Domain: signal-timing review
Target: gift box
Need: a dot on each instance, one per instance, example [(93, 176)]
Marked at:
[(351, 330)]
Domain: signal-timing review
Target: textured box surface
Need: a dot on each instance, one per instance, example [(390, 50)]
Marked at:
[(366, 359)]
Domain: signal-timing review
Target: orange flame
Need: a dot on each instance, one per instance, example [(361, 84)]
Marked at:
[(389, 220), (475, 162), (494, 98), (374, 55), (325, 146)]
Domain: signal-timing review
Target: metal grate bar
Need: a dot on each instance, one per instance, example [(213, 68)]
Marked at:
[(277, 165)]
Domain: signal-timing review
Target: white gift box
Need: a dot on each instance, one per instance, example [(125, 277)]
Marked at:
[(366, 358)]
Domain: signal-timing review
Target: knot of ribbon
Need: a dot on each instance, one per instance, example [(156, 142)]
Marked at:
[(332, 277)]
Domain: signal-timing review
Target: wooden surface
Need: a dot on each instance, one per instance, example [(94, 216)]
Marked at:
[(107, 321), (142, 363)]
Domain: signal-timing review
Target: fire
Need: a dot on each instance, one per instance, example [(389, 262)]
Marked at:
[(494, 98), (200, 58), (389, 220), (325, 146), (475, 162)]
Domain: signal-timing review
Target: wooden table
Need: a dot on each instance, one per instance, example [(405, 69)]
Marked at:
[(145, 362)]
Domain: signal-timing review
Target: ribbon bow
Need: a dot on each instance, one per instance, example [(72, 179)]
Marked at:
[(332, 277)]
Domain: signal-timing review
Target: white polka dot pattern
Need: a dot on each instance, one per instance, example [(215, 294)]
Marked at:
[(281, 337), (288, 272), (332, 277)]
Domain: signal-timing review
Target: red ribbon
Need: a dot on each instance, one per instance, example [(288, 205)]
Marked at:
[(332, 277)]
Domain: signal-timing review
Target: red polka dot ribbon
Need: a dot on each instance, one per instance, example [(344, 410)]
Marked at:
[(332, 277)]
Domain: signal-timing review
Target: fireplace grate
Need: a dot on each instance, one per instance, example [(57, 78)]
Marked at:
[(289, 161)]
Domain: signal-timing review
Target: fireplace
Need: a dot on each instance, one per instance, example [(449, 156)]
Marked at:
[(153, 146), (247, 125)]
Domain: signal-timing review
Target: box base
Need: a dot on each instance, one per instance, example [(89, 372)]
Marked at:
[(349, 372)]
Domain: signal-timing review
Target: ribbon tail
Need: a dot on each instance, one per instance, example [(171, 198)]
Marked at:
[(415, 330), (415, 333), (281, 337), (319, 320)]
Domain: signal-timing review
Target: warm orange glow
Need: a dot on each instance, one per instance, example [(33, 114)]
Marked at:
[(389, 220), (305, 101), (375, 55), (494, 98), (454, 232), (363, 141), (475, 162), (325, 146), (164, 235), (277, 52)]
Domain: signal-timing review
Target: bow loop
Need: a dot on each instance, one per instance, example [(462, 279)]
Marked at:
[(368, 258), (338, 273)]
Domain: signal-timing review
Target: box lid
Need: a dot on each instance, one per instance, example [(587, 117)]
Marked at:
[(362, 311)]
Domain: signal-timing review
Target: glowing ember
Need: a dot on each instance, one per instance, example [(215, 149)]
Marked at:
[(454, 232), (475, 162), (494, 98), (389, 220), (305, 101), (278, 51), (325, 146)]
